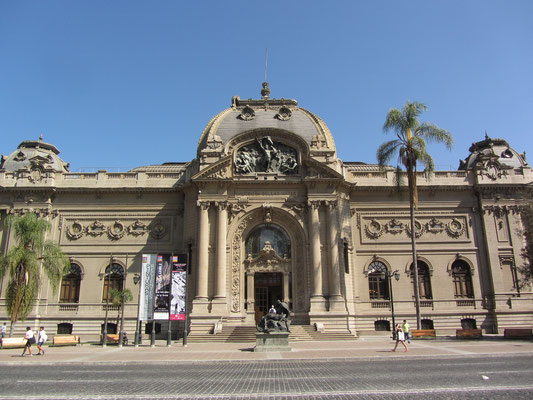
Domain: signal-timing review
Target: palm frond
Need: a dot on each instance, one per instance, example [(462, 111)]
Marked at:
[(23, 261), (55, 264), (433, 134), (427, 161), (395, 121), (386, 152), (398, 178), (411, 112)]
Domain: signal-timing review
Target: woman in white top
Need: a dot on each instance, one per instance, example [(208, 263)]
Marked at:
[(42, 338), (30, 339), (400, 337)]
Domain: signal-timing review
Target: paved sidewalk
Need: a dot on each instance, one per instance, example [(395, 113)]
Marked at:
[(196, 352)]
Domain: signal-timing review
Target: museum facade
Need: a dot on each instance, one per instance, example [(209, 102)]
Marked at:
[(266, 212)]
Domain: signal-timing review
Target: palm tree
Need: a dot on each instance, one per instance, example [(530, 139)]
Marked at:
[(118, 299), (410, 146), (24, 261)]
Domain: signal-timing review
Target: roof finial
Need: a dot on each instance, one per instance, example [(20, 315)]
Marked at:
[(41, 137), (265, 92), (486, 135)]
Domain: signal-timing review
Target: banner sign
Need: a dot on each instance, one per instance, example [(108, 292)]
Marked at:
[(146, 300), (178, 293), (162, 287)]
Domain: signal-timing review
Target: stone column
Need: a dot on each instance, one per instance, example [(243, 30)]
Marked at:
[(250, 297), (219, 302), (335, 298), (317, 298), (286, 298), (201, 300)]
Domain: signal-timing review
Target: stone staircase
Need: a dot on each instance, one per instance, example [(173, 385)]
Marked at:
[(246, 334)]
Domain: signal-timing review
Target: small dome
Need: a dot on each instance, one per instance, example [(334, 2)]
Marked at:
[(269, 114), (497, 150), (34, 154)]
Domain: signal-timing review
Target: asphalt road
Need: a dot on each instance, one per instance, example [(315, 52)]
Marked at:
[(457, 377)]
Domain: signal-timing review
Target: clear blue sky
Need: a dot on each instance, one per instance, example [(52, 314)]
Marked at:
[(118, 84)]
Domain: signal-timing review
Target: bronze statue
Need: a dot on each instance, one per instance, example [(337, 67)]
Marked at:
[(276, 322)]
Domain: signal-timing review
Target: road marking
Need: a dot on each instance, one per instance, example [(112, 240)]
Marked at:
[(322, 394), (507, 372)]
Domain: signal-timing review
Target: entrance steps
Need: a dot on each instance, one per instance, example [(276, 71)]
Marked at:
[(246, 334), (229, 334)]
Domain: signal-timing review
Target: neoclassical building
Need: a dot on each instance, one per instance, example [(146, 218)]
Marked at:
[(267, 211)]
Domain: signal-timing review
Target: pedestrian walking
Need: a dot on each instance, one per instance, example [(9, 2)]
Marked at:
[(407, 331), (400, 337), (30, 339), (42, 338), (3, 329), (272, 310)]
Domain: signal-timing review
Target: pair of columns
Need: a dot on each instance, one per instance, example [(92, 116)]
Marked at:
[(203, 250), (333, 275)]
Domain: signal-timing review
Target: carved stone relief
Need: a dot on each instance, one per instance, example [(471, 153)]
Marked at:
[(247, 114), (138, 228), (96, 229), (236, 265), (86, 228), (75, 230), (284, 114), (374, 229), (265, 155), (419, 229), (268, 262), (455, 228), (116, 230), (398, 229)]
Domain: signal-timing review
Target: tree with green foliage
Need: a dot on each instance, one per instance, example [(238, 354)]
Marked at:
[(23, 264), (410, 147), (118, 299)]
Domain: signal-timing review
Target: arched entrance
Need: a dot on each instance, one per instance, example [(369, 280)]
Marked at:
[(268, 290), (268, 274), (269, 263)]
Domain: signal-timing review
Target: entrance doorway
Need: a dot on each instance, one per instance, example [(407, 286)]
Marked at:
[(268, 289)]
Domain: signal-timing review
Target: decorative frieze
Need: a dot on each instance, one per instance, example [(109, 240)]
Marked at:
[(384, 228), (455, 228), (236, 265), (85, 229), (501, 210)]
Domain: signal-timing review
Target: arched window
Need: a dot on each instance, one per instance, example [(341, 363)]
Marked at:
[(427, 324), (64, 328), (424, 283), (378, 282), (468, 323), (277, 237), (111, 328), (462, 279), (70, 285), (381, 325), (113, 279)]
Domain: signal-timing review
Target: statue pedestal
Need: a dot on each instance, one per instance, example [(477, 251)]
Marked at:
[(274, 341)]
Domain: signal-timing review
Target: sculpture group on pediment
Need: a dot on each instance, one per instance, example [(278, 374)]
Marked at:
[(265, 155)]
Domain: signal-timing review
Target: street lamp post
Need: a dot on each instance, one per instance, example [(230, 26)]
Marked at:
[(123, 305), (136, 280), (107, 276), (396, 276)]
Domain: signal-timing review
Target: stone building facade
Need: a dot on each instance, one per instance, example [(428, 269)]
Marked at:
[(268, 211)]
